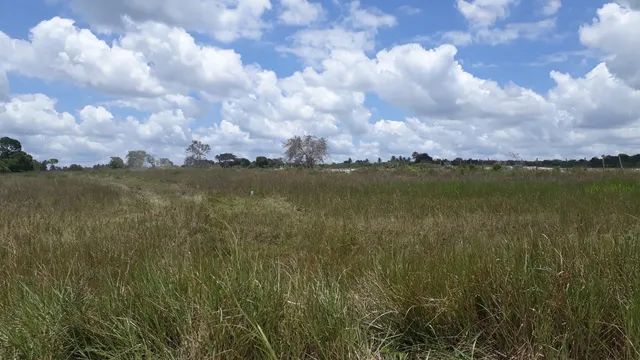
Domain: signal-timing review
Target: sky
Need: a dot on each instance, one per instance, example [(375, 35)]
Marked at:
[(84, 80)]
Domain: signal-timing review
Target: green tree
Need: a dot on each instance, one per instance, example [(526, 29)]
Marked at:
[(13, 158), (75, 167), (197, 154), (165, 163), (226, 159), (19, 162), (9, 147), (262, 162), (116, 163), (136, 159), (49, 164)]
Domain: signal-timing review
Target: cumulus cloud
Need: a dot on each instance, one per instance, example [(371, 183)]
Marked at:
[(597, 100), (94, 135), (482, 16), (281, 108), (4, 86), (182, 64), (225, 20), (315, 45), (484, 13), (26, 114), (151, 66), (299, 12), (78, 55), (355, 33), (616, 33), (162, 71), (368, 18)]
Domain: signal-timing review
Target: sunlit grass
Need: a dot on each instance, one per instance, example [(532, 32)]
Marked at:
[(187, 264)]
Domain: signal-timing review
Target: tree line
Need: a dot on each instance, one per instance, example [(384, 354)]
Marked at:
[(304, 151), (299, 151)]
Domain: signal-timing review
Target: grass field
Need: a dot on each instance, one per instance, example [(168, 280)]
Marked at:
[(377, 264)]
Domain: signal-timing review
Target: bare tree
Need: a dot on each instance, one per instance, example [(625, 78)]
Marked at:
[(197, 153), (306, 150)]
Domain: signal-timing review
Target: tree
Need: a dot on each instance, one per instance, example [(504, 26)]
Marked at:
[(197, 154), (19, 162), (262, 162), (226, 159), (75, 167), (307, 151), (421, 157), (12, 158), (151, 160), (165, 163), (244, 162), (116, 163), (9, 147), (51, 164), (136, 159)]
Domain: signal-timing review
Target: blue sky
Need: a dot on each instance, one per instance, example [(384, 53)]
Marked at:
[(87, 80)]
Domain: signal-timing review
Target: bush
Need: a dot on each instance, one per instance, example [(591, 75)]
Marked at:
[(75, 167)]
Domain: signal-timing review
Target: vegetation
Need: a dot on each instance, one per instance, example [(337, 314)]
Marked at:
[(394, 263), (12, 158), (116, 163), (197, 154), (306, 150)]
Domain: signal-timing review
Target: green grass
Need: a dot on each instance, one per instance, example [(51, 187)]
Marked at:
[(377, 264)]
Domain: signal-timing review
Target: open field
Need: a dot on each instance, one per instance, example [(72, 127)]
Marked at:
[(375, 264)]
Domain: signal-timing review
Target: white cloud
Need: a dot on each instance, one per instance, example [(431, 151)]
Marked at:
[(167, 127), (28, 114), (78, 55), (151, 67), (94, 136), (598, 100), (368, 18), (616, 33), (515, 31), (225, 20), (449, 111), (432, 83), (551, 7), (484, 13), (316, 45), (458, 38), (182, 64), (501, 35), (191, 106), (355, 33), (482, 16), (300, 12), (4, 86), (281, 108), (97, 121)]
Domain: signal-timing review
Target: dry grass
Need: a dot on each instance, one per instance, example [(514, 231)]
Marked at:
[(378, 264)]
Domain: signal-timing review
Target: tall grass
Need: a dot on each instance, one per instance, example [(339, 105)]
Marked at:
[(186, 264)]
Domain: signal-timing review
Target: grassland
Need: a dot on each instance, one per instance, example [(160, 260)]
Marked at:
[(377, 264)]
